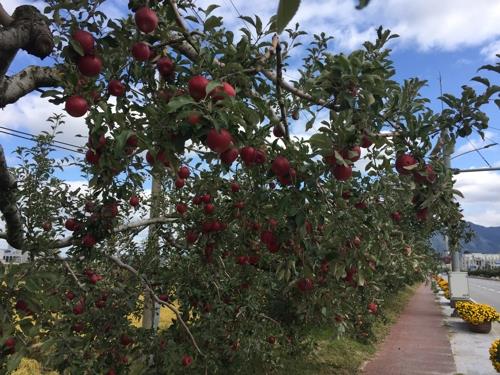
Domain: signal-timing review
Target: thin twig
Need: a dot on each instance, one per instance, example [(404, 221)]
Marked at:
[(183, 26), (147, 285), (70, 270), (279, 80)]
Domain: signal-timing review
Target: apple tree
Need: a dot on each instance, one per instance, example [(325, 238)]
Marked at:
[(254, 235)]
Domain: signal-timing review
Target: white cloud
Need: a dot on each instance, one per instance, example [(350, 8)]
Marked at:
[(481, 202), (491, 50)]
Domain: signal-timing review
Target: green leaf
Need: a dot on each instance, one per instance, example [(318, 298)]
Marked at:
[(212, 23), (362, 4), (178, 102), (49, 93), (211, 8), (77, 47), (286, 11), (482, 80)]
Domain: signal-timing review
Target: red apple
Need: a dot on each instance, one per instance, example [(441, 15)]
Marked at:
[(396, 216), (366, 141), (235, 187), (193, 119), (183, 172), (186, 360), (71, 224), (405, 164), (85, 39), (76, 106), (116, 88), (191, 236), (146, 20), (422, 214), (47, 226), (372, 307), (353, 153), (132, 141), (305, 284), (134, 200), (427, 176), (88, 240), (278, 131), (126, 340), (90, 65), (10, 345), (229, 156), (260, 157), (209, 208), (92, 157), (280, 166), (181, 208), (79, 308), (206, 198), (197, 86), (220, 92), (342, 172), (219, 141), (179, 182), (165, 66), (141, 51), (248, 155)]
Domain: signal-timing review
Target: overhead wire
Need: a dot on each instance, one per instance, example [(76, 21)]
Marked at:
[(32, 138)]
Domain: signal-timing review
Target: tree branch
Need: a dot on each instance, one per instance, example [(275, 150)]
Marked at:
[(8, 205), (147, 285), (26, 81), (279, 80), (68, 241), (5, 18)]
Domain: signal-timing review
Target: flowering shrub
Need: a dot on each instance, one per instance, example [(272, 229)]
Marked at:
[(495, 354), (476, 313), (443, 284)]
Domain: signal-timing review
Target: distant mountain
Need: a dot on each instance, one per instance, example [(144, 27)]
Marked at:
[(486, 240)]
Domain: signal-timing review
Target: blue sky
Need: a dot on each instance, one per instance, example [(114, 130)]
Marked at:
[(450, 37)]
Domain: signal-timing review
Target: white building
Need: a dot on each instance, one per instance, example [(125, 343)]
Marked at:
[(11, 255), (475, 261)]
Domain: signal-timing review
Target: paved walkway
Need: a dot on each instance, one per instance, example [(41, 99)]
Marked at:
[(418, 343)]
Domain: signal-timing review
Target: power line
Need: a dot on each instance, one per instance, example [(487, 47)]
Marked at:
[(34, 140), (479, 152), (34, 136)]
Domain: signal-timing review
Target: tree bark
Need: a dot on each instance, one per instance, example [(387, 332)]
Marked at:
[(8, 205)]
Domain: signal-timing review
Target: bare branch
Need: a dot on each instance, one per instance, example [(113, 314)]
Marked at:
[(72, 273), (26, 81), (279, 80), (5, 18), (171, 307), (68, 241), (8, 205)]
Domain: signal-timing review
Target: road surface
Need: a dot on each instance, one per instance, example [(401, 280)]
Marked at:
[(485, 291)]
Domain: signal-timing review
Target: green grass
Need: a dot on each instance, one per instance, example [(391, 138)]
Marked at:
[(345, 356)]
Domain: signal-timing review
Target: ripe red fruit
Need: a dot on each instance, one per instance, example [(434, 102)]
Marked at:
[(183, 172), (396, 216), (372, 307), (146, 20), (78, 327), (229, 156), (197, 200), (278, 131), (305, 284), (76, 106), (426, 176), (10, 344), (88, 240), (46, 226), (161, 157), (346, 194), (181, 208), (165, 66), (248, 155), (94, 278), (110, 210), (206, 198), (404, 162), (342, 172), (193, 119), (92, 157), (356, 241), (79, 308), (132, 141), (353, 154), (360, 205), (197, 86), (242, 260), (134, 201), (191, 236), (220, 92), (289, 178), (71, 224), (116, 88), (260, 157), (163, 297), (219, 141), (126, 340), (366, 141), (89, 65), (209, 208), (235, 187), (22, 305), (271, 340), (187, 360), (70, 295), (179, 183), (111, 372), (85, 39), (422, 214), (280, 166), (141, 51)]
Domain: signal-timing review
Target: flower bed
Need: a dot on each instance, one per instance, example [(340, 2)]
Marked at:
[(443, 284), (476, 313), (495, 354)]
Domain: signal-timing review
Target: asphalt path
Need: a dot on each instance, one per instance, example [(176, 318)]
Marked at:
[(485, 291)]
